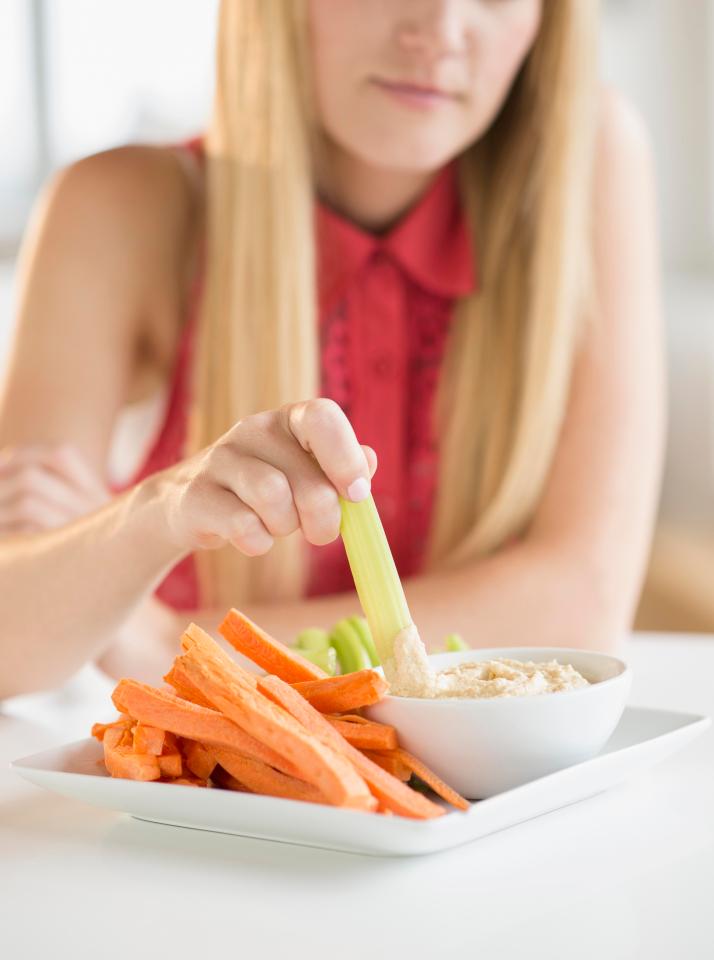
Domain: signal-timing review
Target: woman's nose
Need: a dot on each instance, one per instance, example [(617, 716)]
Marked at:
[(433, 27)]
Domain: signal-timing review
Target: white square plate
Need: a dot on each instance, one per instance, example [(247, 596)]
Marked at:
[(642, 737)]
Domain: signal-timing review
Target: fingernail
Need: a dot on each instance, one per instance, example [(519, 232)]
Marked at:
[(358, 489)]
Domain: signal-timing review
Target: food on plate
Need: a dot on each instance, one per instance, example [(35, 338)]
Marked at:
[(255, 644), (342, 693), (292, 733)]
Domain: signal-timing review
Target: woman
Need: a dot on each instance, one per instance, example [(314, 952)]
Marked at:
[(485, 322)]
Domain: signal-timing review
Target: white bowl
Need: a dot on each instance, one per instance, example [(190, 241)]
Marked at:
[(482, 747)]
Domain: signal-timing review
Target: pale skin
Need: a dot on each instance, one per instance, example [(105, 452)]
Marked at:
[(104, 275)]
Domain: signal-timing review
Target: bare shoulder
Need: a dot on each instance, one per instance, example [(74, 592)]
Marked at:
[(132, 200), (102, 279), (624, 211), (151, 175), (126, 220), (626, 250), (623, 151)]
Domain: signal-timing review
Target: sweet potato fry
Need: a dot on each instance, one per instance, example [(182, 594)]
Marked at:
[(124, 763), (389, 761), (202, 644), (350, 718), (253, 642), (342, 693), (176, 678), (440, 788), (119, 736), (170, 764), (198, 758), (123, 723), (260, 778), (366, 736), (148, 739), (221, 778)]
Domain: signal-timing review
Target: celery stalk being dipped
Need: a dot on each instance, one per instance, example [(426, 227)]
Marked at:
[(375, 574)]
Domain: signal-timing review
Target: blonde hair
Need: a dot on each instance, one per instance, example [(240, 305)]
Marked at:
[(504, 383)]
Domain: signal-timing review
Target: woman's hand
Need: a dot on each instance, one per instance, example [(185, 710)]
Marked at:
[(270, 474), (43, 486)]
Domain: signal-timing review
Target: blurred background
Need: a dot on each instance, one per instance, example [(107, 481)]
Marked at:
[(77, 76)]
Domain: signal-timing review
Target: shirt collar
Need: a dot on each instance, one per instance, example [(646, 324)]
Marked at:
[(431, 243)]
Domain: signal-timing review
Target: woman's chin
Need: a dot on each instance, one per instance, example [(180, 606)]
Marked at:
[(407, 156)]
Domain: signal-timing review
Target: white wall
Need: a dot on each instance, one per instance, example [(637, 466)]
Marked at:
[(659, 53), (123, 70), (114, 71)]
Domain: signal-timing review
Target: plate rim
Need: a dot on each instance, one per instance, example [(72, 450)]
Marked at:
[(691, 724)]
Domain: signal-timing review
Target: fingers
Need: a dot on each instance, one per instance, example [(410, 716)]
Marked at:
[(63, 460), (45, 486), (223, 518), (242, 527), (309, 500), (314, 497), (321, 427), (263, 488), (40, 482), (71, 463), (30, 513)]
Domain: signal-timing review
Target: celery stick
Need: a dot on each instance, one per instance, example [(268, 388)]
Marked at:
[(351, 654), (362, 628), (327, 659), (312, 638), (455, 642), (375, 574)]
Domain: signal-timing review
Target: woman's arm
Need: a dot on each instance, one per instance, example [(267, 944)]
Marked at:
[(66, 593), (574, 580), (95, 264)]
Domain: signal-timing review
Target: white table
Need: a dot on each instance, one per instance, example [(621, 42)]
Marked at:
[(626, 874)]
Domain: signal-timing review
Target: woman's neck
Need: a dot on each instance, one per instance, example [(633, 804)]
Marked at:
[(372, 197)]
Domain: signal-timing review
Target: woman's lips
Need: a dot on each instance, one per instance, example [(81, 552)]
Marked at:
[(413, 95)]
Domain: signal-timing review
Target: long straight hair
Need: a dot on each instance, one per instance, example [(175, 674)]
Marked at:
[(503, 388)]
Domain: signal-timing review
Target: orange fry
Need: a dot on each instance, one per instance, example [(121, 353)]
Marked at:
[(440, 788), (346, 692), (253, 642)]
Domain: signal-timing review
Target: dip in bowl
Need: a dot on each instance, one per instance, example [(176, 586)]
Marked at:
[(483, 746)]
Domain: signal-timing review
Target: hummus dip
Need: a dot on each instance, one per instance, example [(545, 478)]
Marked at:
[(411, 675)]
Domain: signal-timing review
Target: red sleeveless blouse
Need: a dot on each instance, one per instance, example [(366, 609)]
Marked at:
[(385, 304)]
